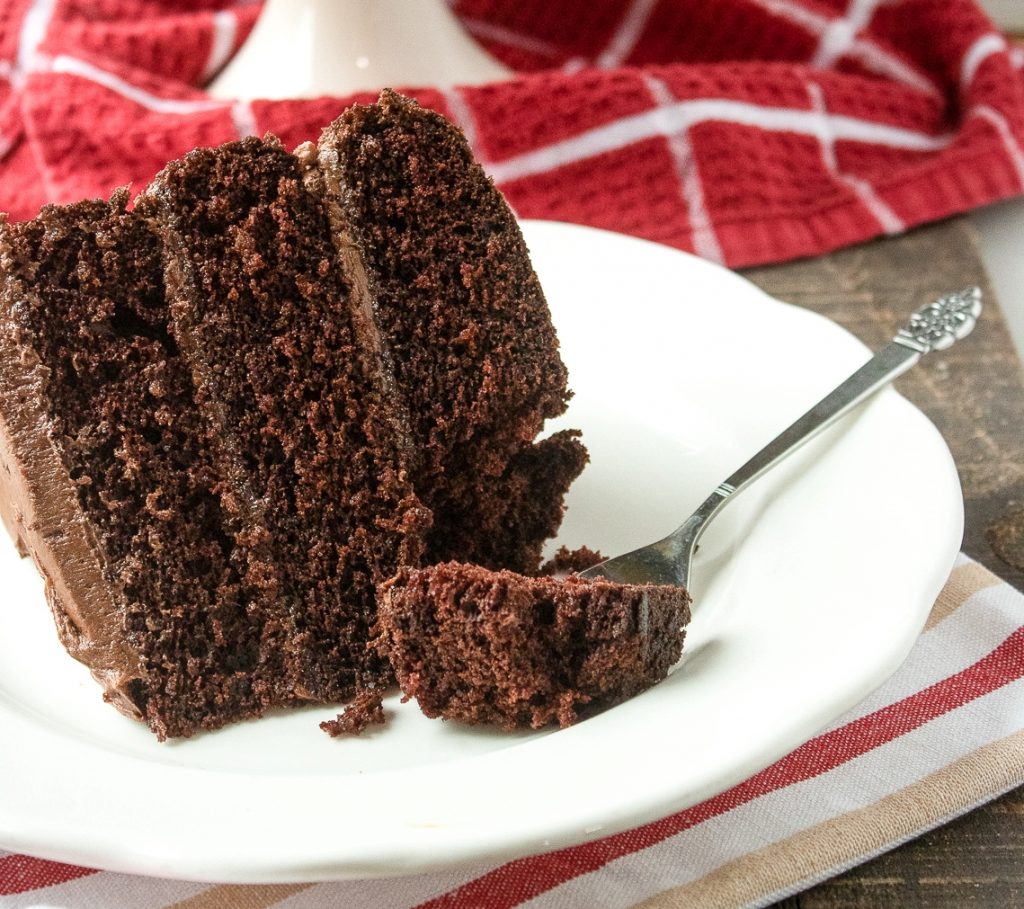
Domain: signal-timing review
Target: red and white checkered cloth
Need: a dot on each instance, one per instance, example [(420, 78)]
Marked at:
[(943, 735), (749, 131)]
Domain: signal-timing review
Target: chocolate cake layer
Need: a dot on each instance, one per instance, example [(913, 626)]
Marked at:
[(461, 323), (492, 647), (318, 501), (39, 499), (117, 483)]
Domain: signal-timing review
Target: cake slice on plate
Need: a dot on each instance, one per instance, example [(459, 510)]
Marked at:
[(228, 414)]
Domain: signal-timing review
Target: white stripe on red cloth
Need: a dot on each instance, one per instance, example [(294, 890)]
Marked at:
[(458, 110), (1009, 140), (83, 69), (842, 32), (225, 30), (626, 36), (244, 119), (873, 58), (499, 34), (887, 219), (705, 242), (795, 12), (33, 31), (866, 52), (686, 114), (986, 46), (34, 26)]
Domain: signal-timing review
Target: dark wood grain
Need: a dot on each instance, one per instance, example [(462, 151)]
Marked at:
[(974, 393)]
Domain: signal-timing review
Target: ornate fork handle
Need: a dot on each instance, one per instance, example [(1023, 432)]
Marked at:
[(933, 327)]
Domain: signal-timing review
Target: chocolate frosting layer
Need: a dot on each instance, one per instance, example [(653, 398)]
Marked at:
[(40, 507), (322, 176)]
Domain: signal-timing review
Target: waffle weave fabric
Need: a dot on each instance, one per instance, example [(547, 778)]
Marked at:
[(748, 131)]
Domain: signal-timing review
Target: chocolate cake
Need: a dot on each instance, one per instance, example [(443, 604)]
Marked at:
[(315, 489), (567, 561), (228, 414), (366, 709), (497, 647), (453, 307), (108, 469)]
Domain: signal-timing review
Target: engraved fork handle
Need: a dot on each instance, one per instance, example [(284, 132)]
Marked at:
[(932, 327)]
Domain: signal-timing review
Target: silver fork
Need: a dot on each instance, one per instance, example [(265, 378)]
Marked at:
[(932, 327)]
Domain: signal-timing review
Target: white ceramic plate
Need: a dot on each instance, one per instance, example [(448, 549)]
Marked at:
[(810, 590)]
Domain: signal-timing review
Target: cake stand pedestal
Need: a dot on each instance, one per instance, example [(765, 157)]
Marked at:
[(310, 48)]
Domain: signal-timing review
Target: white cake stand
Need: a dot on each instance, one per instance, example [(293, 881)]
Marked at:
[(309, 48)]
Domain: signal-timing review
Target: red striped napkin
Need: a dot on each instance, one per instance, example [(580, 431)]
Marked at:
[(749, 131), (943, 735)]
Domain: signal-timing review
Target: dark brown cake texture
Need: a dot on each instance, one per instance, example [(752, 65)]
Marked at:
[(501, 648), (228, 414), (316, 496), (567, 561), (366, 709), (462, 328)]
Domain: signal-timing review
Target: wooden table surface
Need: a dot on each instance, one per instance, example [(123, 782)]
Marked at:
[(974, 393)]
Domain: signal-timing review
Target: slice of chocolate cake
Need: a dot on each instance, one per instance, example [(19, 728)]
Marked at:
[(492, 647), (227, 415), (451, 303)]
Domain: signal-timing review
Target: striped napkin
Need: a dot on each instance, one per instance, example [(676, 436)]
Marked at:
[(943, 735)]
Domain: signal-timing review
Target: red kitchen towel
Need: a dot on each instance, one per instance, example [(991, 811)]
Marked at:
[(749, 131), (940, 737)]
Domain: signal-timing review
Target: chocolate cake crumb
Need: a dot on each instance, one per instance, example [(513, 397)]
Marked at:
[(496, 647), (570, 561), (366, 709)]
